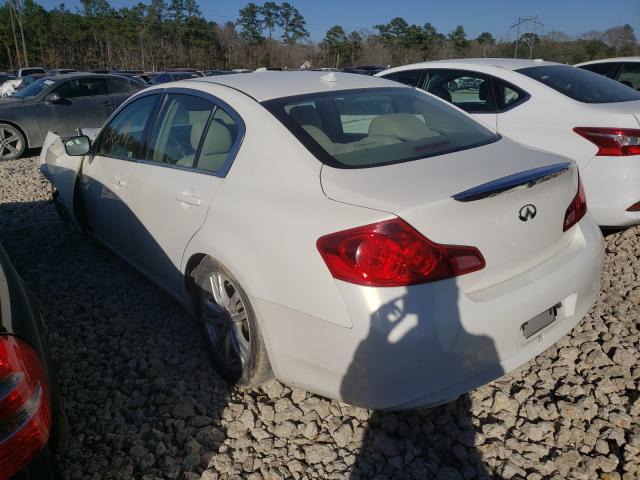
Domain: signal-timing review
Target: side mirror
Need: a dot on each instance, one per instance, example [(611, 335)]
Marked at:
[(77, 146), (53, 98)]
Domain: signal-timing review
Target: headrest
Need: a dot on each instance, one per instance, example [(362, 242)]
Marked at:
[(401, 125), (306, 115), (441, 92), (197, 119), (483, 91), (218, 139)]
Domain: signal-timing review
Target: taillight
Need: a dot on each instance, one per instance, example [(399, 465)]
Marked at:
[(25, 411), (612, 142), (634, 208), (391, 254), (576, 209)]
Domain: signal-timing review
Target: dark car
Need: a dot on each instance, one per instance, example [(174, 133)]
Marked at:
[(33, 426), (364, 69), (171, 76), (61, 71), (60, 104), (6, 76), (211, 73)]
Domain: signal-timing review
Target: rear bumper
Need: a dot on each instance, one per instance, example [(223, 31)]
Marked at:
[(427, 344), (612, 185)]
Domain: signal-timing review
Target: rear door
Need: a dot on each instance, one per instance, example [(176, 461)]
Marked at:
[(170, 192), (83, 103), (119, 90), (471, 91)]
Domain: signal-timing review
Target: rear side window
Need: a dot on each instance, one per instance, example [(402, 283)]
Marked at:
[(218, 142), (507, 96), (608, 69), (179, 130), (408, 77), (120, 85), (123, 136), (581, 85), (630, 75), (373, 127), (469, 91)]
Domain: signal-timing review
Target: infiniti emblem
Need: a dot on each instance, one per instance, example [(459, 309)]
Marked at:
[(528, 212)]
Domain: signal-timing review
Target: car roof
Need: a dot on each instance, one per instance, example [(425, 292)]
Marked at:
[(506, 63), (608, 60), (268, 85)]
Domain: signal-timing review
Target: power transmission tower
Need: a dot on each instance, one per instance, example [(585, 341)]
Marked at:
[(530, 24)]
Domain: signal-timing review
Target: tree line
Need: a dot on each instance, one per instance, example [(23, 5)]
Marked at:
[(160, 34)]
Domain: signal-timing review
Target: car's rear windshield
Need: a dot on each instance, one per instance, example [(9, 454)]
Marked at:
[(377, 126), (34, 88), (581, 85)]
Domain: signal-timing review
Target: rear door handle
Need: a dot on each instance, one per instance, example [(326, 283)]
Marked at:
[(188, 199)]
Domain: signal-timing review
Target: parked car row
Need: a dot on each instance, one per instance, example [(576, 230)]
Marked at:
[(296, 213), (570, 111)]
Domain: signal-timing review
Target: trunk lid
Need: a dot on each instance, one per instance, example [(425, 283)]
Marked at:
[(421, 192)]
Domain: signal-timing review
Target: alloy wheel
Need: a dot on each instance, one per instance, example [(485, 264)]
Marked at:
[(11, 142), (226, 321)]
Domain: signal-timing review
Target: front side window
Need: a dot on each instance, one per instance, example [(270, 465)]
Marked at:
[(373, 127), (179, 130), (469, 91), (408, 77), (82, 87), (123, 137), (581, 85), (630, 75)]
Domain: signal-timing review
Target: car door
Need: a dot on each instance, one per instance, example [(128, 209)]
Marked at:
[(104, 174), (471, 91), (82, 103), (170, 192)]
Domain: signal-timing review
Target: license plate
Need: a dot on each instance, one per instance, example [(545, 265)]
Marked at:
[(538, 322)]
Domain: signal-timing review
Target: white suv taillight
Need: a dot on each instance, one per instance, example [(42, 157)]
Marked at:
[(392, 254), (612, 142), (25, 409)]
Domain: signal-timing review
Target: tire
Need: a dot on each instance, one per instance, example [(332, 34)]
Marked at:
[(12, 142), (236, 348)]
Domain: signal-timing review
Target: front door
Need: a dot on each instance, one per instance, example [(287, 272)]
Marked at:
[(105, 175), (171, 192), (83, 103)]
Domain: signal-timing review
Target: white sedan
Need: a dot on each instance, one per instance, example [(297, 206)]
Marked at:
[(576, 113), (625, 70), (350, 235)]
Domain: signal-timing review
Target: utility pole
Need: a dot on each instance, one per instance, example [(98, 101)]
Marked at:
[(13, 29), (531, 23)]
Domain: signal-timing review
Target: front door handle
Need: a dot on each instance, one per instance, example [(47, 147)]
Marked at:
[(188, 199)]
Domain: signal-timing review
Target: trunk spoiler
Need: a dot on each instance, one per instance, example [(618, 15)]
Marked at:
[(524, 179)]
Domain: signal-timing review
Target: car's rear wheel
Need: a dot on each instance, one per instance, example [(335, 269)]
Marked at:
[(229, 327), (12, 143)]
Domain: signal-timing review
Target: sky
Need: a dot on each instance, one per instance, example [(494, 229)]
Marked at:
[(572, 17)]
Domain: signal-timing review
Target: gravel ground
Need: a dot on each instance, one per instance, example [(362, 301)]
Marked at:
[(144, 403)]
